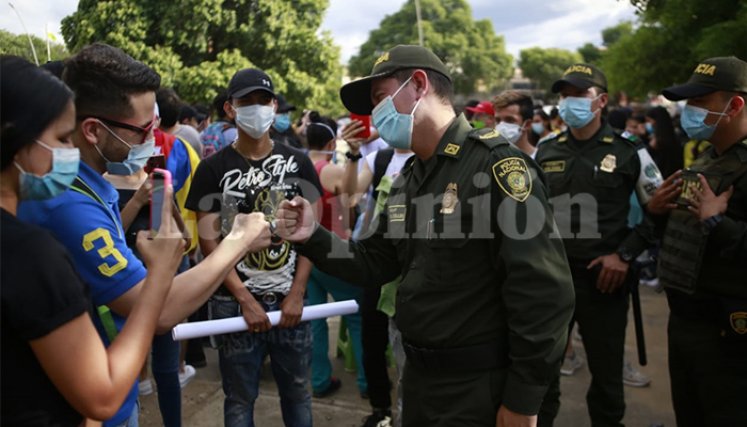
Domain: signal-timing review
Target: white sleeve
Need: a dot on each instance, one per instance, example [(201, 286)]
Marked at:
[(649, 179)]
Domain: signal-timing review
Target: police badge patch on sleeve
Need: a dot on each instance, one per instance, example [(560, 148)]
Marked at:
[(512, 176)]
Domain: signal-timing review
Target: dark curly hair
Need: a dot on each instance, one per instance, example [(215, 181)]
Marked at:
[(104, 77)]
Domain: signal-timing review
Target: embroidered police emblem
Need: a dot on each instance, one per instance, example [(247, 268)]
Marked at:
[(492, 134), (609, 163), (554, 166), (738, 322), (512, 176), (397, 213), (452, 149), (383, 58), (450, 199)]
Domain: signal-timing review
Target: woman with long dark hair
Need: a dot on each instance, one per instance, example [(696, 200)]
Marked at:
[(664, 145), (55, 368)]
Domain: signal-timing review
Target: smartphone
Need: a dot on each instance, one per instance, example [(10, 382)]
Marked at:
[(159, 179), (155, 162), (690, 183), (366, 120)]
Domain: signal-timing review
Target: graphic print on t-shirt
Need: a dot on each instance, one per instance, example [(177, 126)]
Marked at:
[(260, 188)]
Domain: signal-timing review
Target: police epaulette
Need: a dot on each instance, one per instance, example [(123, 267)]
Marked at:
[(630, 139), (490, 137)]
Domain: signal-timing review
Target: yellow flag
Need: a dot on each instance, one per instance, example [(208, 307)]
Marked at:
[(51, 36)]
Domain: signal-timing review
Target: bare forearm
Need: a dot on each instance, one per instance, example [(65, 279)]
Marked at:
[(350, 183), (303, 271), (192, 288), (126, 355), (129, 212)]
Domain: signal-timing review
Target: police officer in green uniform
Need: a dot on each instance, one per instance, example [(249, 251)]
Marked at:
[(592, 171), (485, 296), (703, 259)]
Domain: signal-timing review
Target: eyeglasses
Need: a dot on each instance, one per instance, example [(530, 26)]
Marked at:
[(143, 131)]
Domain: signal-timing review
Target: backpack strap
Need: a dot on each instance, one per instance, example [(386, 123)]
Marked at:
[(105, 315), (383, 157)]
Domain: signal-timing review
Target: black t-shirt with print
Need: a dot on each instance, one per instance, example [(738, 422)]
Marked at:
[(40, 292), (229, 183)]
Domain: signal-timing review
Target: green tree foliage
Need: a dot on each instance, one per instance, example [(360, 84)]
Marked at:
[(197, 45), (671, 38), (590, 53), (18, 45), (612, 35), (474, 54), (544, 66)]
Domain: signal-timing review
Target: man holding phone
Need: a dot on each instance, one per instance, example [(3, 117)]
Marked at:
[(114, 102), (703, 258)]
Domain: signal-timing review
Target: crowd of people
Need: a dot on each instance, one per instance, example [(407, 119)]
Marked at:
[(474, 238)]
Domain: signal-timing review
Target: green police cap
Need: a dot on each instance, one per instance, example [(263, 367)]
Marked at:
[(727, 73), (356, 95), (582, 76)]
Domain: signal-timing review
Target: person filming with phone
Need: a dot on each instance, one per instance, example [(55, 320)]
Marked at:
[(114, 103)]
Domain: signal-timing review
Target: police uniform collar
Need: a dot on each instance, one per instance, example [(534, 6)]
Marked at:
[(740, 148), (451, 143), (605, 135)]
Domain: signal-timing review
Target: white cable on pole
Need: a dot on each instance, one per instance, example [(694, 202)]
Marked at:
[(33, 49)]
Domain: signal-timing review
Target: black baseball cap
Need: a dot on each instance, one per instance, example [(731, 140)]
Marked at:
[(248, 80), (582, 76), (727, 73), (356, 95), (283, 105)]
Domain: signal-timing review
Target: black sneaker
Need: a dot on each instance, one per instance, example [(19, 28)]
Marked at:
[(379, 418), (334, 385)]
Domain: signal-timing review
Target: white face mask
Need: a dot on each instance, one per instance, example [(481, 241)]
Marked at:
[(510, 131), (256, 119)]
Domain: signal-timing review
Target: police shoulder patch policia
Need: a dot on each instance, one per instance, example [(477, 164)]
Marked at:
[(512, 176)]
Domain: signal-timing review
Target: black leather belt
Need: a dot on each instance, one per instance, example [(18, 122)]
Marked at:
[(268, 298), (480, 357)]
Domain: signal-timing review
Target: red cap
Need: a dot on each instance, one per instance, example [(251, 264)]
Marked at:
[(485, 107)]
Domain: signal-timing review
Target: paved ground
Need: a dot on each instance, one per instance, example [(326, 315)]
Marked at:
[(203, 398)]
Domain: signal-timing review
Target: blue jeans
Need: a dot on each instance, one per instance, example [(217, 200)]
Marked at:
[(133, 420), (164, 362), (165, 366), (320, 284), (241, 356)]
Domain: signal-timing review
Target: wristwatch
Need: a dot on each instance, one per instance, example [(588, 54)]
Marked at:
[(353, 157), (625, 255), (711, 222)]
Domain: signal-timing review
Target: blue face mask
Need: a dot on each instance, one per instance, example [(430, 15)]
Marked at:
[(576, 111), (394, 127), (282, 122), (649, 128), (65, 163), (693, 121), (136, 158), (538, 128)]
